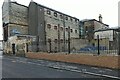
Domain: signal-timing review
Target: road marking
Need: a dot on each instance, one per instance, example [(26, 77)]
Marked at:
[(101, 71), (108, 69), (94, 68), (13, 61)]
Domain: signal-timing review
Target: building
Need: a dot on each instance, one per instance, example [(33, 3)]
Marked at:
[(87, 27), (108, 37), (14, 18), (21, 44), (52, 27)]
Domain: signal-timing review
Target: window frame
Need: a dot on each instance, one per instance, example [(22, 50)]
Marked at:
[(48, 12), (55, 27), (49, 26), (55, 14)]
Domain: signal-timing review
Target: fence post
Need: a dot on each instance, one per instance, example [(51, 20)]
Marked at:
[(37, 43), (64, 32), (98, 45), (118, 43), (58, 37), (49, 45), (68, 40)]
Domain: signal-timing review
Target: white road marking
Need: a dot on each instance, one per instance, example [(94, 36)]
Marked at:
[(101, 71), (108, 69), (13, 61), (94, 68)]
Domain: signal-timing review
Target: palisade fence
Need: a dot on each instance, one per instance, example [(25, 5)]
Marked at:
[(100, 45)]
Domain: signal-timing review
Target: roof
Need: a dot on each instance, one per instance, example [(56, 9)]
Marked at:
[(14, 3), (107, 29), (86, 20), (18, 4), (54, 10)]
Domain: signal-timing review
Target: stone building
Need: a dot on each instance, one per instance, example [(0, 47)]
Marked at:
[(15, 19), (21, 43), (88, 26), (52, 27), (108, 37)]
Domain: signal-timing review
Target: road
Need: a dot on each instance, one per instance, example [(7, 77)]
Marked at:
[(19, 67)]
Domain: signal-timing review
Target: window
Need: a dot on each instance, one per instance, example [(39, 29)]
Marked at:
[(66, 41), (41, 24), (49, 12), (66, 18), (55, 27), (55, 14), (66, 29), (71, 19), (48, 26), (61, 16), (86, 28), (55, 40), (71, 30), (61, 28), (55, 49), (61, 40), (40, 9), (49, 40), (75, 31), (76, 20)]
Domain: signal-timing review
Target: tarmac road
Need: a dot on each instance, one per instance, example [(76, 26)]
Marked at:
[(19, 67)]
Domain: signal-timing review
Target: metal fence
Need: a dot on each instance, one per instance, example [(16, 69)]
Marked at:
[(100, 45)]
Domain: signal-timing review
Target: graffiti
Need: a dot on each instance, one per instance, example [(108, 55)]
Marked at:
[(15, 32)]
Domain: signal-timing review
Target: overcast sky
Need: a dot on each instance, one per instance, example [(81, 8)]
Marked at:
[(82, 9)]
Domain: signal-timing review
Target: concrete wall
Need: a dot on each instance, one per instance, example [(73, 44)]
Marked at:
[(77, 43), (100, 61)]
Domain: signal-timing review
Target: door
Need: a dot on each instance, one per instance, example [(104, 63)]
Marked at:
[(13, 49)]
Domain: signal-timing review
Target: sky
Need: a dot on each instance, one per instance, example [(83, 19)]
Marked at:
[(81, 9)]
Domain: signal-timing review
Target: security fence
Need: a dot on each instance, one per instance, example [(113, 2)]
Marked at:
[(101, 44)]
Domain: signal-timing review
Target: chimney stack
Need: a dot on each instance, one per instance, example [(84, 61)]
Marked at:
[(100, 17)]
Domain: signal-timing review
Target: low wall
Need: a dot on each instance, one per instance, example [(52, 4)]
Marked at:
[(100, 61)]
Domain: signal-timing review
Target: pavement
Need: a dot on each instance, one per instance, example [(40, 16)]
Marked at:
[(20, 67)]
